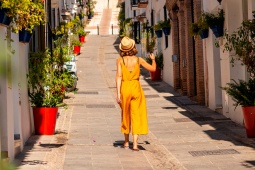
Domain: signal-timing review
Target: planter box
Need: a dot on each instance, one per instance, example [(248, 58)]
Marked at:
[(45, 120), (24, 36), (204, 34), (159, 33), (4, 19), (166, 31), (217, 30)]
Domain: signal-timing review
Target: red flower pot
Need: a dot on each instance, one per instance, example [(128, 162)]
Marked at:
[(45, 120), (156, 75), (82, 39), (249, 120), (76, 49)]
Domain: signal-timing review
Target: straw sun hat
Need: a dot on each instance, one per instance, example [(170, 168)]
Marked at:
[(126, 44)]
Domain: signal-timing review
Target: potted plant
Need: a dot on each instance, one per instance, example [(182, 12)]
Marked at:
[(58, 32), (81, 33), (4, 19), (26, 15), (43, 91), (242, 44), (215, 22), (166, 27), (159, 62), (199, 28), (76, 46), (158, 28)]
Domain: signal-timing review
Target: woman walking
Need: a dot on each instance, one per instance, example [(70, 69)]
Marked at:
[(130, 95)]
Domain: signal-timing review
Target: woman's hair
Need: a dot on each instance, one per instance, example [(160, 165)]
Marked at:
[(131, 52)]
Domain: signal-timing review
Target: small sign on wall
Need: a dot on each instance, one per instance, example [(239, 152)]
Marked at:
[(174, 58)]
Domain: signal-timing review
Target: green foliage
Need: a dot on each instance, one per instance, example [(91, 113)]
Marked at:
[(242, 44), (6, 166), (158, 59), (25, 14), (159, 25), (165, 24), (242, 92), (81, 31), (196, 28), (76, 42), (44, 87), (211, 19)]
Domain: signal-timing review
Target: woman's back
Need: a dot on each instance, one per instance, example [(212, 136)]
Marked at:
[(130, 62)]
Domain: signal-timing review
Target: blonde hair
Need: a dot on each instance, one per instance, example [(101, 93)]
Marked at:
[(131, 52)]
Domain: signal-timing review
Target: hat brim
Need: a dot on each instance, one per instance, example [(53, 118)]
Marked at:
[(133, 44)]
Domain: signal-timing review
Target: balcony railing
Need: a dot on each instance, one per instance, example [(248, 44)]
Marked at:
[(142, 3), (134, 4)]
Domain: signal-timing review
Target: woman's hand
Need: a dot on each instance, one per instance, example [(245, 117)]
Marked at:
[(118, 99), (152, 56)]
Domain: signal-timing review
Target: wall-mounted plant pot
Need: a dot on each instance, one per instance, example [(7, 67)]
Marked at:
[(82, 39), (249, 120), (45, 120), (4, 19), (89, 16), (55, 37), (166, 31), (77, 49), (217, 30), (24, 36), (204, 34), (159, 33)]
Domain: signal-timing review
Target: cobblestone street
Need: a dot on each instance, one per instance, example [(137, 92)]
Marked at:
[(183, 135)]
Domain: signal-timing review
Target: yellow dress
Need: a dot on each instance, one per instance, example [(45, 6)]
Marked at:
[(134, 112)]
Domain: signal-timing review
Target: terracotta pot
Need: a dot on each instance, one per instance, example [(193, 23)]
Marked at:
[(45, 120), (77, 49), (249, 120), (82, 39), (156, 75)]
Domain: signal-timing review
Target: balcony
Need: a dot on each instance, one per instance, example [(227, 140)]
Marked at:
[(134, 4), (142, 3)]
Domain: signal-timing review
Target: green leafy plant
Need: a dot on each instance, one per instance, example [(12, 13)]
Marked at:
[(242, 92), (26, 14), (165, 24), (158, 59), (81, 31), (211, 19), (75, 42), (44, 88), (196, 28), (158, 26)]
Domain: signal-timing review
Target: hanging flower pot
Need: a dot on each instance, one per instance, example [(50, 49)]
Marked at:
[(45, 120), (89, 16), (166, 30), (158, 33), (204, 34), (4, 19), (82, 39), (249, 120), (55, 37), (217, 30), (77, 49), (24, 36)]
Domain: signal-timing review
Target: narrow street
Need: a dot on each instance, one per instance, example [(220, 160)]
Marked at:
[(183, 135)]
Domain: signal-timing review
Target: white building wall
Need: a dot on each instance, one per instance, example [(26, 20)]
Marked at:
[(219, 63)]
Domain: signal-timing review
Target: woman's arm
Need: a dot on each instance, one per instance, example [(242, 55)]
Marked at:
[(146, 65), (118, 79)]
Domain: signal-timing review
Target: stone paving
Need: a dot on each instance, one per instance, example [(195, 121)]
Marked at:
[(182, 134)]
